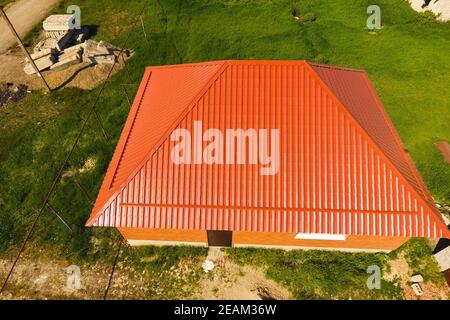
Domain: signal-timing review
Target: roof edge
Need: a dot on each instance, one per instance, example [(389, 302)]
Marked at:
[(425, 192), (188, 107), (329, 66), (115, 160), (420, 197)]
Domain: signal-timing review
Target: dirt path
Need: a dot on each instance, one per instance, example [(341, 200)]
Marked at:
[(24, 15), (44, 279)]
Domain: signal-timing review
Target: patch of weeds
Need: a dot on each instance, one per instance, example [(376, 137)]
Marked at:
[(427, 16), (318, 274), (418, 254), (174, 270)]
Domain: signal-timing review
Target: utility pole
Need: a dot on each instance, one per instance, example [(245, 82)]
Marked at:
[(14, 32)]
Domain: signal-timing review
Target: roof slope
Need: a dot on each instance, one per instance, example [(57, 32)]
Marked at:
[(163, 96), (343, 169), (354, 91)]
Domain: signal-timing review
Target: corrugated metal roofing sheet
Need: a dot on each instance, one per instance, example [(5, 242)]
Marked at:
[(343, 169), (354, 91)]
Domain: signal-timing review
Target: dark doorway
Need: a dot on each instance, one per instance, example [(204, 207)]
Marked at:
[(219, 238)]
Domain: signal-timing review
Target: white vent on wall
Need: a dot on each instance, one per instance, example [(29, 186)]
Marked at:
[(320, 236)]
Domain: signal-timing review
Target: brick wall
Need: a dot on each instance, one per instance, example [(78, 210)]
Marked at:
[(288, 239), (265, 239), (164, 235)]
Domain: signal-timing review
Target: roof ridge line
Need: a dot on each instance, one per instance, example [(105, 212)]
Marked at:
[(190, 64), (388, 161), (113, 177), (328, 66), (288, 208), (395, 134), (408, 159)]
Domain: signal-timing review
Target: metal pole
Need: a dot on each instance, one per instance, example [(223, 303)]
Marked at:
[(57, 179), (11, 27), (143, 27), (113, 269), (126, 95), (126, 68), (84, 191), (59, 216)]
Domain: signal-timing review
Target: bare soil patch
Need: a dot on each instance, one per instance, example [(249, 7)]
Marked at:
[(83, 76), (399, 268), (229, 281), (444, 148), (24, 15), (48, 280), (42, 278)]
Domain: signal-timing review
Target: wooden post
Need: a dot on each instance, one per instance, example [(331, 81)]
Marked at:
[(11, 27)]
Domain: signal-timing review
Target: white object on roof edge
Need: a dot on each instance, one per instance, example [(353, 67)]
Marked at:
[(320, 236)]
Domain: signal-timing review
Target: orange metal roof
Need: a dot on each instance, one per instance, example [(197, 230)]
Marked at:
[(343, 168)]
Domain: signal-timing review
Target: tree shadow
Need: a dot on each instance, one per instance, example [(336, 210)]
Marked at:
[(92, 29)]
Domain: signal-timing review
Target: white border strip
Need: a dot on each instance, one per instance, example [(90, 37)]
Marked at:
[(320, 236)]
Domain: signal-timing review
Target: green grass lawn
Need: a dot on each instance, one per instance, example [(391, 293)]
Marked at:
[(5, 2), (407, 60), (315, 274)]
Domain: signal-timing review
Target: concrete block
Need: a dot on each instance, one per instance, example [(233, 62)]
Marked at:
[(417, 289), (54, 34), (76, 48), (64, 41), (95, 46), (42, 64), (48, 43), (59, 22), (38, 46), (41, 54), (417, 278), (108, 59), (65, 63)]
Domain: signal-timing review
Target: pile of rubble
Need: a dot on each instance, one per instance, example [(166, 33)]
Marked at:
[(56, 53)]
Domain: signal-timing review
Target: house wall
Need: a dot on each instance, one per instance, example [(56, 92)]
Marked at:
[(141, 236), (447, 277), (287, 240)]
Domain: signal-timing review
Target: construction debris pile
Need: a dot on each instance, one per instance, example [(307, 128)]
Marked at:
[(56, 53), (12, 92)]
